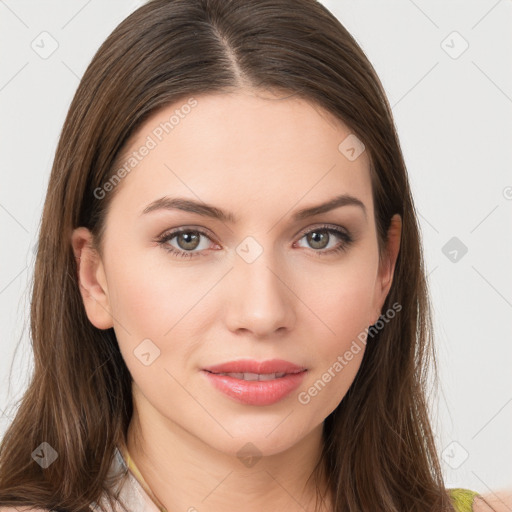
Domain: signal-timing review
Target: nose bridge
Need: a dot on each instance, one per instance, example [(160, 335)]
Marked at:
[(260, 300)]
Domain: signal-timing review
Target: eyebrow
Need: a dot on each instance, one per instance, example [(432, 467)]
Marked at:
[(206, 210)]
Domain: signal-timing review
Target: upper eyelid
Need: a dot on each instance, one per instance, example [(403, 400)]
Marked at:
[(326, 226), (176, 231)]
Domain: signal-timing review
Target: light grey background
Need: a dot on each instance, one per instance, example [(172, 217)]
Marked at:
[(453, 111)]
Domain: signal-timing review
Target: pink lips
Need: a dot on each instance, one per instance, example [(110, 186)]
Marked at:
[(256, 392)]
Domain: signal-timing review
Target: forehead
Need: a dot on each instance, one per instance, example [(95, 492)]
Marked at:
[(244, 148)]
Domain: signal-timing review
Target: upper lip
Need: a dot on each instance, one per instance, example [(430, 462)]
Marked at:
[(253, 366)]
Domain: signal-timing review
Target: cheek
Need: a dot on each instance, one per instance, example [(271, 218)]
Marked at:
[(151, 297), (340, 295), (344, 304), (341, 300), (338, 352)]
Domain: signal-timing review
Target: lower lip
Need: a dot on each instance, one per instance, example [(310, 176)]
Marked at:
[(255, 392)]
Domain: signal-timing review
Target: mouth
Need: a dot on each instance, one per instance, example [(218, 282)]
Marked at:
[(250, 382)]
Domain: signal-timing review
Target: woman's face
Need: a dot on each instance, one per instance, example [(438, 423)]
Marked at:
[(250, 284)]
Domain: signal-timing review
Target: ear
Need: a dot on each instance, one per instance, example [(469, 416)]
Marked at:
[(91, 279), (387, 264)]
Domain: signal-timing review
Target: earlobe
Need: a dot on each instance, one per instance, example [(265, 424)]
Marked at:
[(91, 279), (387, 265)]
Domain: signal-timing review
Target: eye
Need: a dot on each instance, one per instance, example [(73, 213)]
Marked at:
[(189, 244), (322, 236), (187, 240)]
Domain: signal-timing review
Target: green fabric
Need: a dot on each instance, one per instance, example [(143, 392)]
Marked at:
[(463, 499)]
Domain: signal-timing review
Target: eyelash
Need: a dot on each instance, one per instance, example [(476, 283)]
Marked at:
[(166, 237)]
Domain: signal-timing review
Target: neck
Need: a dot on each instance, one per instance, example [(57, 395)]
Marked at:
[(184, 472)]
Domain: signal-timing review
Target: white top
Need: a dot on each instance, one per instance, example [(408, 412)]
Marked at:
[(129, 491)]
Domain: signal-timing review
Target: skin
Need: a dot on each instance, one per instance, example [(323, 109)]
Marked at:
[(261, 157)]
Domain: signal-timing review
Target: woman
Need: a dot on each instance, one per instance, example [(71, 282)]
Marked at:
[(229, 304)]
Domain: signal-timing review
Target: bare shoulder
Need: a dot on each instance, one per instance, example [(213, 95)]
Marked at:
[(500, 501)]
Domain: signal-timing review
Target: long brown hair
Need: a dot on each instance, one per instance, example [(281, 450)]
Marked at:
[(379, 451)]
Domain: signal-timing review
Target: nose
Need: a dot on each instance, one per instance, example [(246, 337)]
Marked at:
[(259, 297)]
